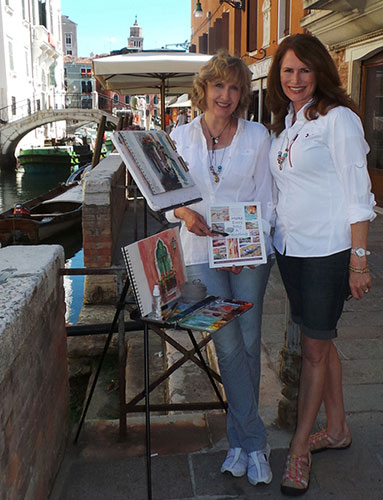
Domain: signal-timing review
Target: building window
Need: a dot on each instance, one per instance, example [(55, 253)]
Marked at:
[(86, 103), (42, 13), (68, 39), (373, 109), (69, 52), (23, 9), (283, 18), (266, 9), (127, 99), (52, 76), (155, 99), (26, 53), (10, 56), (13, 105), (252, 25), (115, 99)]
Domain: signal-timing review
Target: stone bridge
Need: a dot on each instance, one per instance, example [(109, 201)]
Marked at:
[(11, 133)]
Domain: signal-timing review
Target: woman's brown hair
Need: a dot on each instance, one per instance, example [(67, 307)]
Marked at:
[(223, 67), (328, 93)]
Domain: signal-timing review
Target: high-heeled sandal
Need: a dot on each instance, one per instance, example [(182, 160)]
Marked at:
[(322, 441)]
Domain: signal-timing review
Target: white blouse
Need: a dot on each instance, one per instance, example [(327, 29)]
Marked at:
[(323, 185), (245, 176)]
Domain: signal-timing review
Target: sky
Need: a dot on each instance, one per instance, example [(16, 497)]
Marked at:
[(103, 26)]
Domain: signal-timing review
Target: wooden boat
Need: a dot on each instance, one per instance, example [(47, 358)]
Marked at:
[(45, 216)]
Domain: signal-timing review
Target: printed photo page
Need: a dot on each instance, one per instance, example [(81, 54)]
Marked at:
[(238, 238)]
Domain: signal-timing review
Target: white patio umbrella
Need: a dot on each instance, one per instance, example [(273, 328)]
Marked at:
[(148, 72)]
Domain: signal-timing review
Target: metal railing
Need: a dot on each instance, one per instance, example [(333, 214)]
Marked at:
[(94, 100)]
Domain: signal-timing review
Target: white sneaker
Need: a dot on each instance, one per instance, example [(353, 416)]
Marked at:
[(235, 462), (259, 470)]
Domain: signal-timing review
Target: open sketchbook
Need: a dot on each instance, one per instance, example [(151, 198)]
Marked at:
[(159, 172), (239, 240), (156, 260)]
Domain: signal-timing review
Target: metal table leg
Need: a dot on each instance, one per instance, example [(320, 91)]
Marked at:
[(147, 413)]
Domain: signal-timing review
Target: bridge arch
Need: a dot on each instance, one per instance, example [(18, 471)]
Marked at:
[(11, 133)]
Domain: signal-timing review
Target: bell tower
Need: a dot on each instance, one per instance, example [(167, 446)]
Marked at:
[(135, 41)]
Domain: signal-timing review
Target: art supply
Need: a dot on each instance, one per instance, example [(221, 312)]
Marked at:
[(222, 233), (168, 313), (156, 312)]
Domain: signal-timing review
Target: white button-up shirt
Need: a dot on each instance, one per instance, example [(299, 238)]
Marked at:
[(323, 184), (245, 176)]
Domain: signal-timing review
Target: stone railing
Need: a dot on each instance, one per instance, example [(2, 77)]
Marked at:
[(34, 390), (103, 212)]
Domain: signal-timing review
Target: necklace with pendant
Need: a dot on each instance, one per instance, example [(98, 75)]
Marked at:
[(283, 155), (215, 171), (213, 160)]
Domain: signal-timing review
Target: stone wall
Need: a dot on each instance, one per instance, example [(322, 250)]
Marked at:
[(34, 390), (103, 212)]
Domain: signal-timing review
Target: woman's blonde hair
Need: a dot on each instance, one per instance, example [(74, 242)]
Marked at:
[(223, 67)]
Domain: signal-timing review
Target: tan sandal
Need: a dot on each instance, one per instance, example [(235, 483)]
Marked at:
[(322, 441), (296, 475)]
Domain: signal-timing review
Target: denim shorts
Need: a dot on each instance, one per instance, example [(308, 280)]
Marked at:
[(317, 288)]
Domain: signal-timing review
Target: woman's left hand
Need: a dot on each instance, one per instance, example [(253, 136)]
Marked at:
[(360, 284)]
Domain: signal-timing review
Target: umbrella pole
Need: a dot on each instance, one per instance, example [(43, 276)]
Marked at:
[(162, 97)]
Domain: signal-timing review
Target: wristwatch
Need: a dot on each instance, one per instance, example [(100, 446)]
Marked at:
[(359, 252)]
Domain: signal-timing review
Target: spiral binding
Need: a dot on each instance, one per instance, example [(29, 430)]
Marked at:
[(132, 280)]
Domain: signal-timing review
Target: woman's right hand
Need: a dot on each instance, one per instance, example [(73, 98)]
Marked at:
[(194, 221)]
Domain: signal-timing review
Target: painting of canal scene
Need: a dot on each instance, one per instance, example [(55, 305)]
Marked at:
[(160, 173), (239, 240)]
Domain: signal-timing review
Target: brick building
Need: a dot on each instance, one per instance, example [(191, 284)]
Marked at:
[(352, 30), (248, 29)]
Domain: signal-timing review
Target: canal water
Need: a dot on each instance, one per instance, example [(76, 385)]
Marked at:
[(18, 187)]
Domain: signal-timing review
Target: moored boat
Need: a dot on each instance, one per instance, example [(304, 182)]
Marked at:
[(38, 219), (48, 159)]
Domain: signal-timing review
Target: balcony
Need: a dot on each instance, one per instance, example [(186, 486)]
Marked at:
[(43, 43), (338, 21)]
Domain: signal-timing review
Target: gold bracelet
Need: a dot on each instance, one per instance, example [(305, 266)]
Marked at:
[(358, 270)]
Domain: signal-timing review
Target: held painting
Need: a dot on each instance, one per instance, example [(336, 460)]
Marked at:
[(160, 173)]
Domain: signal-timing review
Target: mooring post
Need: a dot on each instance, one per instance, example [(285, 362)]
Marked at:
[(289, 372)]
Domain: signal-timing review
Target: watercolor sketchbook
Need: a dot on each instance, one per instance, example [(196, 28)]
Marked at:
[(241, 242), (158, 170), (156, 260)]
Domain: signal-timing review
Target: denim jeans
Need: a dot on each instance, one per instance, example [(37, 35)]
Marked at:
[(238, 347)]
